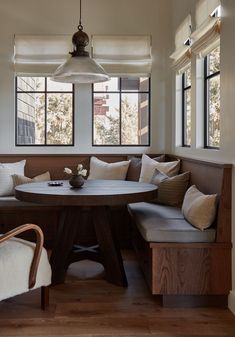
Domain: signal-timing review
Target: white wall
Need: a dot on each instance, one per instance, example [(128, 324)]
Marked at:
[(227, 150), (99, 17)]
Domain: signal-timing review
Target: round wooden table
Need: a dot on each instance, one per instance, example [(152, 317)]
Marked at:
[(99, 195)]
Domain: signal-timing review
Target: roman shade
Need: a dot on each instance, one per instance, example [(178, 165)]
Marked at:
[(206, 37), (123, 55), (182, 54), (34, 55)]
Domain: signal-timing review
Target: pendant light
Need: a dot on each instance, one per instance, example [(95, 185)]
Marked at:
[(80, 67)]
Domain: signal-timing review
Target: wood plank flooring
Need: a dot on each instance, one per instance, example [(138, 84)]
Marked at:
[(92, 307)]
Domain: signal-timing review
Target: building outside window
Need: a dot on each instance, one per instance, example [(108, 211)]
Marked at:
[(212, 99), (44, 112), (121, 112), (186, 107)]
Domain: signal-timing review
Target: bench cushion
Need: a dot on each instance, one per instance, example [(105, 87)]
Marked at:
[(13, 202), (158, 223), (151, 210)]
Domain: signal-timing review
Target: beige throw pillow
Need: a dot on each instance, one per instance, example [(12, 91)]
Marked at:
[(198, 208), (6, 172), (19, 179), (171, 190), (149, 165), (133, 173), (108, 171)]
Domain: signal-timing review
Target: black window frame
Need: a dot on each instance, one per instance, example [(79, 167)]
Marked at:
[(120, 92), (206, 105), (45, 92), (185, 88)]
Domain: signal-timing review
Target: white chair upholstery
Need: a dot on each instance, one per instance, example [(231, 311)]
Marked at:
[(16, 266)]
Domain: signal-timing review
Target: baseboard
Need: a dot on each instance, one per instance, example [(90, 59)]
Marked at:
[(231, 301)]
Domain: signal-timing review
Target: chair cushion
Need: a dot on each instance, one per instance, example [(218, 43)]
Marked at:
[(158, 223), (15, 260)]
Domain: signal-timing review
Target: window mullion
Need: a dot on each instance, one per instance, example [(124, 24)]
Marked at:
[(45, 135), (120, 111)]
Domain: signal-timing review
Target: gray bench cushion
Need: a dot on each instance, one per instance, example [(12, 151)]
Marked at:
[(143, 209), (13, 202), (158, 223)]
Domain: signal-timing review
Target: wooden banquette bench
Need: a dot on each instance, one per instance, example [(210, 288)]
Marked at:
[(14, 213), (184, 265), (187, 273)]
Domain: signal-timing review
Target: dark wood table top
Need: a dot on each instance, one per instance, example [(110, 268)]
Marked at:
[(93, 193)]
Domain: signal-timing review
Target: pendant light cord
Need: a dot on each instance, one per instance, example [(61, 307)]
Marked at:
[(80, 17)]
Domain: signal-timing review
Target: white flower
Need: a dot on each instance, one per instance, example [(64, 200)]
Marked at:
[(83, 172), (67, 170), (80, 167)]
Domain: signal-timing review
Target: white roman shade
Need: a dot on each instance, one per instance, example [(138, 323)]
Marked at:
[(34, 55), (123, 55), (182, 54), (206, 37)]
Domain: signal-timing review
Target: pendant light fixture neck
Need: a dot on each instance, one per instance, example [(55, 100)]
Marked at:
[(80, 68), (80, 39)]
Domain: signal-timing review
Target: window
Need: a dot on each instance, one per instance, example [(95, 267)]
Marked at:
[(212, 99), (121, 112), (44, 112), (186, 108)]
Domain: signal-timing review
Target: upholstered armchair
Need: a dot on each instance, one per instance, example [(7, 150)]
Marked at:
[(24, 265)]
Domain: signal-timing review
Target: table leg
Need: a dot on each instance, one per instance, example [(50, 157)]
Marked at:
[(65, 237), (109, 250)]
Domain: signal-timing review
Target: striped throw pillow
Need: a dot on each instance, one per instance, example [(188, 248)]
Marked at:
[(171, 190)]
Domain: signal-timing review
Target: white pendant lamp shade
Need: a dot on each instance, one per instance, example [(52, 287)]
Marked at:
[(80, 69)]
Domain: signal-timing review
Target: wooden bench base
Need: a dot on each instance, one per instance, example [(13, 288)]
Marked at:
[(190, 270)]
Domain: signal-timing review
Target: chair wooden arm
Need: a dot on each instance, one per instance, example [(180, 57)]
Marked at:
[(37, 251)]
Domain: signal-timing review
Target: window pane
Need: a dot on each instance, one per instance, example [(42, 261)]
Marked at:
[(30, 118), (214, 61), (187, 118), (214, 111), (106, 119), (112, 85), (59, 119), (135, 84), (135, 119), (57, 86), (30, 84)]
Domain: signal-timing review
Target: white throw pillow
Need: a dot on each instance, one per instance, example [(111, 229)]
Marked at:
[(6, 172), (101, 170), (198, 208), (149, 165)]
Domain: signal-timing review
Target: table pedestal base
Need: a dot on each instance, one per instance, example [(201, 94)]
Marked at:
[(106, 252)]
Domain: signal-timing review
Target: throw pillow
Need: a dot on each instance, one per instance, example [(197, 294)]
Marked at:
[(171, 190), (149, 165), (102, 170), (6, 180), (198, 208), (19, 179), (133, 173)]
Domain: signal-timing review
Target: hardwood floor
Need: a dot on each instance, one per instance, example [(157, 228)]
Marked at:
[(95, 308)]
